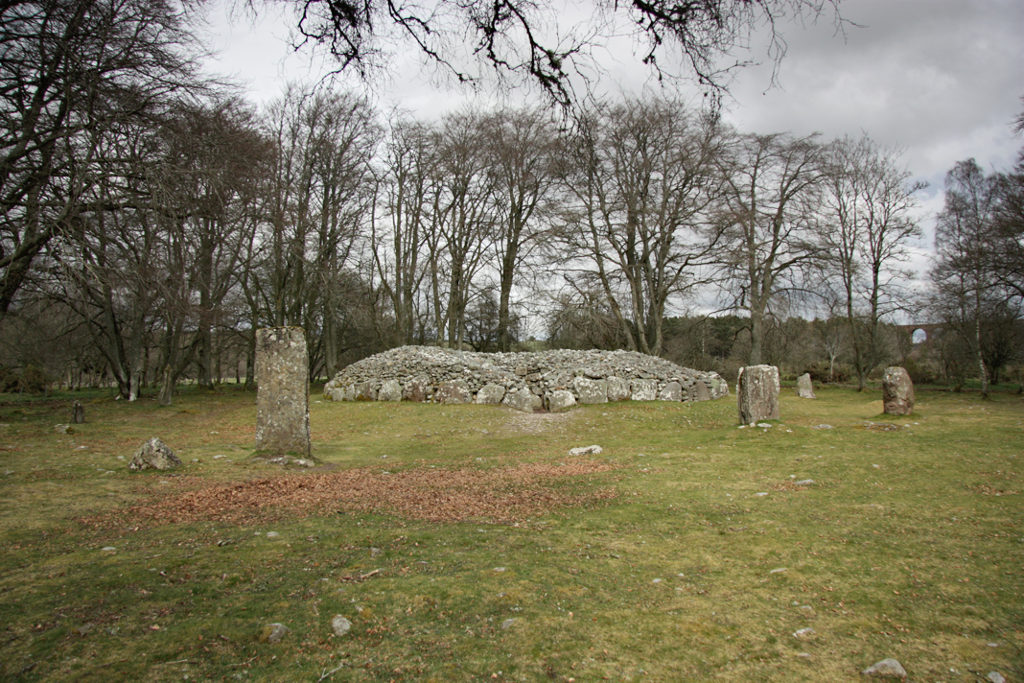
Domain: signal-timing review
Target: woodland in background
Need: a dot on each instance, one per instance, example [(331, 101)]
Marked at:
[(152, 221)]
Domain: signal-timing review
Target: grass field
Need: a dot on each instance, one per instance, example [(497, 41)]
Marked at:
[(463, 543)]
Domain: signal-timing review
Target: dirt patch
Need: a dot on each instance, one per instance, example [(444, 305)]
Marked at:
[(503, 495)]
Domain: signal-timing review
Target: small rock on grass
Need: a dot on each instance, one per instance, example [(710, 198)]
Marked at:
[(273, 633), (586, 450), (804, 633), (340, 625), (995, 677), (886, 668)]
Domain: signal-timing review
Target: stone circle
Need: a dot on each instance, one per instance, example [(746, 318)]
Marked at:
[(526, 381)]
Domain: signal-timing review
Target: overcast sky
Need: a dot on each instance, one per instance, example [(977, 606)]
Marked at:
[(940, 79)]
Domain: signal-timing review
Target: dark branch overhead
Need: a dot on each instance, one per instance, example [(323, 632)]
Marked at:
[(522, 40)]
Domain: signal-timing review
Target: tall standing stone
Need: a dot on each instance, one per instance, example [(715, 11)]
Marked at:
[(757, 393), (897, 391), (804, 388), (282, 399)]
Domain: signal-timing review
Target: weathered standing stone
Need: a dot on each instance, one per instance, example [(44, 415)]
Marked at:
[(77, 413), (154, 455), (897, 391), (757, 393), (282, 399), (804, 388)]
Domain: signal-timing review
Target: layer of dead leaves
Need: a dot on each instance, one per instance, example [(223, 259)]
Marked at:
[(502, 495)]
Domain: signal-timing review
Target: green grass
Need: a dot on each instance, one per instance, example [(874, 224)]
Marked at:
[(909, 544)]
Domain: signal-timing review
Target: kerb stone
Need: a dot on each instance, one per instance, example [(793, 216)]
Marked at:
[(282, 399)]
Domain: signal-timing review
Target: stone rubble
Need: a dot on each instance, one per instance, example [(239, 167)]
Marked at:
[(527, 381)]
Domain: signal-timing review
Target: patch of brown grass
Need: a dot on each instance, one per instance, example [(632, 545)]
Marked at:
[(501, 495)]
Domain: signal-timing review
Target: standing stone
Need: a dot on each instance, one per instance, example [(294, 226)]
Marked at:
[(804, 388), (897, 391), (757, 393), (77, 413), (282, 399)]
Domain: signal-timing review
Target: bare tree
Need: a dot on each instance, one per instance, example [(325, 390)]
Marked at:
[(771, 219), (70, 69), (397, 239), (644, 178), (523, 147), (966, 240), (318, 200), (463, 220), (869, 200)]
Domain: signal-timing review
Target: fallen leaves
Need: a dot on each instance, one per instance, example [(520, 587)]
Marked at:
[(502, 494)]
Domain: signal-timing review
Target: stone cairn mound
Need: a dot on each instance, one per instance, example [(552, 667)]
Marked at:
[(544, 380)]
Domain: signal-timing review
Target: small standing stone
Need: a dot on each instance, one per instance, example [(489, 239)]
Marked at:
[(77, 413), (804, 388), (282, 399), (154, 455), (887, 668), (897, 391), (757, 393)]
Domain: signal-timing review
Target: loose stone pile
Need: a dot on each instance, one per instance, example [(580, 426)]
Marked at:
[(551, 380)]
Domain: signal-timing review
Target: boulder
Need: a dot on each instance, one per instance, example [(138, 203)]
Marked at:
[(897, 391), (886, 668), (154, 455), (273, 633), (757, 393)]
